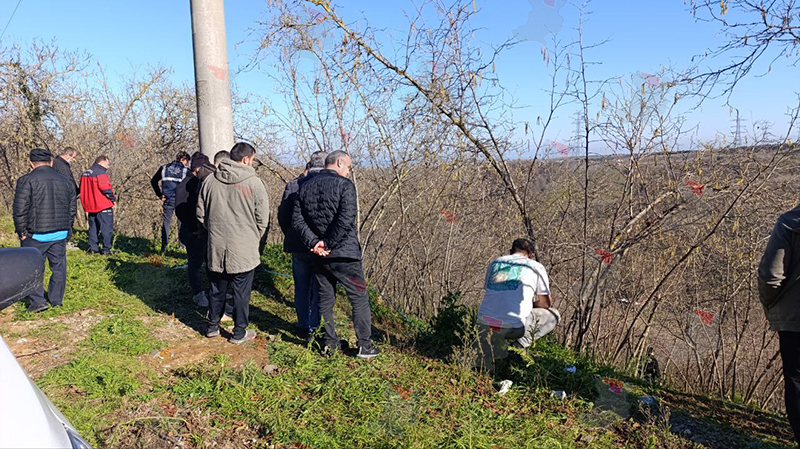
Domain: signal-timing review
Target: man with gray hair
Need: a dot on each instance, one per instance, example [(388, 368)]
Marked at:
[(306, 288), (324, 218)]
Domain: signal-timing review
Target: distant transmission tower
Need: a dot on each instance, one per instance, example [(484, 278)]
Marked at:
[(579, 129), (736, 130)]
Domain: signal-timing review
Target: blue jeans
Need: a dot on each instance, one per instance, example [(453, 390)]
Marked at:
[(306, 291), (166, 222)]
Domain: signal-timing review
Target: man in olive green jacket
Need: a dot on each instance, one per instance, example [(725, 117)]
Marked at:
[(234, 208), (779, 291)]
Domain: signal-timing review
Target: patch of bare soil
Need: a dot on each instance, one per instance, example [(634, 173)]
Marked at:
[(198, 349), (42, 345)]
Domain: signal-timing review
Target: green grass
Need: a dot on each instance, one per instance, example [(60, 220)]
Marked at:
[(417, 394)]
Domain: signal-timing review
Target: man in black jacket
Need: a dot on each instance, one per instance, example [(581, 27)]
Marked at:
[(191, 233), (324, 218), (306, 287), (44, 207), (62, 163)]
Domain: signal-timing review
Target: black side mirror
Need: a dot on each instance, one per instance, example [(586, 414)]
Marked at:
[(21, 271)]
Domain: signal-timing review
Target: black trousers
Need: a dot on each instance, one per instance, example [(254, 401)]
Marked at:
[(166, 222), (350, 274), (103, 222), (195, 256), (242, 284), (790, 353), (56, 255)]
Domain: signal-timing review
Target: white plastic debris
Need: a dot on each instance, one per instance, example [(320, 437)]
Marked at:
[(570, 369), (505, 386), (560, 394)]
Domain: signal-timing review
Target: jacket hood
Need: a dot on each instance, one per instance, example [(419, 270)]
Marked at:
[(230, 172), (791, 220)]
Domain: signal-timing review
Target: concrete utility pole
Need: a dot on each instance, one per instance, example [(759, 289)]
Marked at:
[(212, 84)]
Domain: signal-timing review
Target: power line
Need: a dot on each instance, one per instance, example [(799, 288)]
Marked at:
[(9, 20)]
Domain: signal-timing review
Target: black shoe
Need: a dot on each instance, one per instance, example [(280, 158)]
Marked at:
[(37, 309), (302, 332), (368, 352), (211, 333)]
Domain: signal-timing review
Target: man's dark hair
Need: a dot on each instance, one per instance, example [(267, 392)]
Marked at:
[(317, 159), (183, 156), (242, 150), (221, 155), (68, 151), (522, 246), (100, 159), (334, 157)]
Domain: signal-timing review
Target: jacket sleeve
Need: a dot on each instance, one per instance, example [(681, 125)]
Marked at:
[(154, 183), (200, 210), (300, 226), (261, 201), (345, 217), (285, 208), (774, 265), (73, 204), (104, 185), (22, 206), (182, 202)]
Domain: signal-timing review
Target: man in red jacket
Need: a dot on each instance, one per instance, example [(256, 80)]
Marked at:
[(98, 200)]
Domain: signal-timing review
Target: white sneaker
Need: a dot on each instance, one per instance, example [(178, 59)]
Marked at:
[(200, 299)]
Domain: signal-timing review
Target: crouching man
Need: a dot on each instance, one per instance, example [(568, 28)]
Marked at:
[(516, 304)]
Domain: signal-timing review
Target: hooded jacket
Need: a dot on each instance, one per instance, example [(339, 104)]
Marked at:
[(326, 209), (234, 208), (779, 274)]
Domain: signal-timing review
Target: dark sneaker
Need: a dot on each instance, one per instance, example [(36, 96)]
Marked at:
[(250, 335), (37, 309), (367, 352), (211, 333)]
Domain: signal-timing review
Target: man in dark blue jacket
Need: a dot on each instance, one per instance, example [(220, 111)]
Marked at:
[(170, 176), (44, 207), (306, 288), (324, 218)]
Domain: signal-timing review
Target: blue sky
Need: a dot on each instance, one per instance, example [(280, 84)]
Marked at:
[(644, 35)]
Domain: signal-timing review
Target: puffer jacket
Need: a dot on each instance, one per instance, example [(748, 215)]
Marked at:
[(44, 201), (234, 208), (779, 274), (326, 209), (291, 241)]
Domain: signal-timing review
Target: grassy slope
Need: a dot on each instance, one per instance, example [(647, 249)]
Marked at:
[(124, 361)]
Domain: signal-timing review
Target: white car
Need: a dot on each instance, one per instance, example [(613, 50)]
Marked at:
[(27, 417)]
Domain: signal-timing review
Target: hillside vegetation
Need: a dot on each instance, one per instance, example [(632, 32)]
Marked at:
[(123, 359)]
